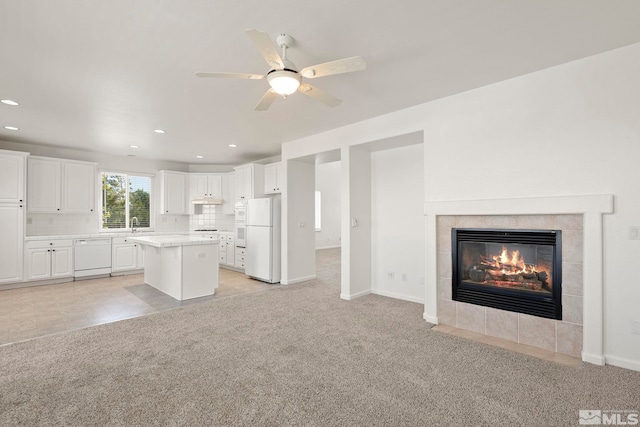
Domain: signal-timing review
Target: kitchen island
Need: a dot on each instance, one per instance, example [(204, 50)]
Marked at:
[(183, 267)]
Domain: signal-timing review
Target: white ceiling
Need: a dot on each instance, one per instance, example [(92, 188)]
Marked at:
[(102, 75)]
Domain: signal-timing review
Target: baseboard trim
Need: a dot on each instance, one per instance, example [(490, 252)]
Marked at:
[(354, 296), (298, 280), (397, 296), (594, 359), (28, 284), (623, 362), (328, 247), (430, 319)]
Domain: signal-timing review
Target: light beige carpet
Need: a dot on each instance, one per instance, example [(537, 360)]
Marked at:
[(293, 355)]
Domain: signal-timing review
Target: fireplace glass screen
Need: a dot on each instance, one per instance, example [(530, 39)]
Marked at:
[(515, 270)]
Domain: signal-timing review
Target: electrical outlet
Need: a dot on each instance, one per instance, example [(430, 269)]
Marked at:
[(635, 327), (404, 277), (29, 221), (390, 275), (634, 233)]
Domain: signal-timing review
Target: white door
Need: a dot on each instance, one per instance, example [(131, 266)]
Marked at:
[(11, 230), (61, 262), (259, 212), (124, 257), (258, 257), (43, 185), (38, 264), (11, 178), (214, 185), (78, 188), (175, 185)]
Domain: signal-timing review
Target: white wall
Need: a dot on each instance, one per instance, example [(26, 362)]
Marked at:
[(328, 183), (298, 239), (568, 130), (398, 225)]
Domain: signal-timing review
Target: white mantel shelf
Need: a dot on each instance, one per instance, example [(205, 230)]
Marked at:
[(592, 207)]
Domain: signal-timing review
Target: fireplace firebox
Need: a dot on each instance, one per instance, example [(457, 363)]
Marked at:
[(514, 270)]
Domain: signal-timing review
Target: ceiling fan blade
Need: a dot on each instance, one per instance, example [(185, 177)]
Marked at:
[(340, 66), (231, 75), (266, 47), (266, 100), (320, 95)]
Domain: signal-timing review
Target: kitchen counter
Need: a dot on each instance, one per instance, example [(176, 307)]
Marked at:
[(124, 234), (181, 266)]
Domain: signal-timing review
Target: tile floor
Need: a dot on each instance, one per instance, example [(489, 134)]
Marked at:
[(31, 312), (540, 353)]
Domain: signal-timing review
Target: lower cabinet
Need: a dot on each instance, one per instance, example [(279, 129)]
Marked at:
[(226, 252), (49, 259), (126, 255), (240, 256)]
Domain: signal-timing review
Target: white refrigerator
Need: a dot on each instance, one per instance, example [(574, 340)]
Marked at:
[(262, 260)]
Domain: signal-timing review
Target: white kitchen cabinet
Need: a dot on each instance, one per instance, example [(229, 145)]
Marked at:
[(240, 254), (78, 187), (126, 255), (173, 192), (226, 249), (43, 185), (228, 193), (11, 248), (12, 176), (273, 178), (49, 259), (249, 181), (55, 185), (205, 185)]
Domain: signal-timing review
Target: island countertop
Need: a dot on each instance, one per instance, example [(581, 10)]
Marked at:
[(173, 240)]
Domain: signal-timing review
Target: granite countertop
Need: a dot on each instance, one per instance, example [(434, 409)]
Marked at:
[(173, 240)]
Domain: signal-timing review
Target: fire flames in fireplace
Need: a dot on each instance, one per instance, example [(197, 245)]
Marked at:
[(515, 270), (509, 269)]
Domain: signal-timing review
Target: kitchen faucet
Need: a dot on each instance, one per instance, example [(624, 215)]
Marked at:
[(134, 223)]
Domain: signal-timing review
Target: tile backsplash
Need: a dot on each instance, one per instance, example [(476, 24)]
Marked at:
[(211, 216), (50, 224)]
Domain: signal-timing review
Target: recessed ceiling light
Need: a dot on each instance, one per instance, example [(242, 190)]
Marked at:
[(232, 145), (11, 128), (8, 102), (134, 146), (199, 157), (158, 131)]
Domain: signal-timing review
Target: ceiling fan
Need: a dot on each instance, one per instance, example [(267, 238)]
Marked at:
[(284, 78)]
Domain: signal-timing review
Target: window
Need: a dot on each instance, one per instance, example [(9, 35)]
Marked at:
[(125, 198), (318, 211)]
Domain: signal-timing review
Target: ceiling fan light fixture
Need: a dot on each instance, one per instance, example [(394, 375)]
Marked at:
[(284, 82)]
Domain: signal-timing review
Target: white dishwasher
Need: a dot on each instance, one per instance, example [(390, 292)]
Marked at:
[(92, 257)]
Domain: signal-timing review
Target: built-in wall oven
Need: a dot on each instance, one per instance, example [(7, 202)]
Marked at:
[(241, 223)]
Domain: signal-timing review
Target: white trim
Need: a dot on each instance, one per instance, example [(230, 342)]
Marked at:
[(354, 296), (430, 319), (397, 296), (298, 280), (329, 247), (592, 207), (622, 362), (595, 359)]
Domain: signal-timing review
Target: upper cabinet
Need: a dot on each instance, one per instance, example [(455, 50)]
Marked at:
[(205, 185), (228, 193), (55, 185), (249, 181), (273, 178), (12, 176), (78, 187), (173, 192)]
